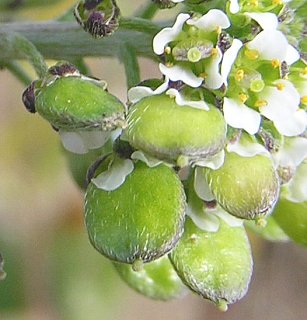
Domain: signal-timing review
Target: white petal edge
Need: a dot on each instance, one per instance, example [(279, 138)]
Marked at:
[(81, 142), (115, 176), (238, 115), (292, 153), (211, 21), (297, 186), (167, 35), (177, 73), (181, 101), (214, 79), (201, 186), (214, 162), (229, 58), (234, 6), (227, 217), (150, 161), (266, 20)]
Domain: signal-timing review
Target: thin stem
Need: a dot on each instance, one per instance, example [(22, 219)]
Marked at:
[(139, 24), (17, 71), (147, 11), (16, 42), (129, 59)]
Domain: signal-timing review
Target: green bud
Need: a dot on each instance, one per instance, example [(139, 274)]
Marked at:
[(216, 265), (246, 187), (160, 127), (140, 220), (76, 103), (157, 280), (292, 218)]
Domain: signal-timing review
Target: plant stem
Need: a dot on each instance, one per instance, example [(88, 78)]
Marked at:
[(17, 71), (129, 59), (147, 11)]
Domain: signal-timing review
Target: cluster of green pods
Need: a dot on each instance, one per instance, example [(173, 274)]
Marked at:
[(149, 207)]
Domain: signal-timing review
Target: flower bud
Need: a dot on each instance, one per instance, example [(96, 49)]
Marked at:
[(157, 280), (246, 187), (141, 220), (162, 128), (216, 265)]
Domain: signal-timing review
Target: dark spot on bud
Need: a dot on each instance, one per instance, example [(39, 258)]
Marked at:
[(210, 204), (268, 140), (91, 4), (284, 70), (164, 4), (178, 85), (123, 148), (28, 97), (224, 42), (63, 69), (93, 168)]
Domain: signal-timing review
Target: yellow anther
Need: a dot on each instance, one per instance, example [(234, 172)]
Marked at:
[(243, 97), (203, 75), (280, 86), (169, 64), (276, 63), (277, 2), (253, 3), (304, 72), (304, 100), (218, 29), (239, 75), (214, 51), (251, 54), (167, 50), (261, 103)]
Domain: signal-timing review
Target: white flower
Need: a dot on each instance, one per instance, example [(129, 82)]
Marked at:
[(234, 6), (150, 161), (213, 162), (115, 176), (266, 20), (240, 116)]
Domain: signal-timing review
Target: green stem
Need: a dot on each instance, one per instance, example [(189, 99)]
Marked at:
[(129, 59), (147, 11), (139, 24), (15, 42), (17, 71)]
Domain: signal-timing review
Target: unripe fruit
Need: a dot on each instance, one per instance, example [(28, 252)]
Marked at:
[(292, 218), (246, 187), (73, 103), (160, 127), (140, 220), (157, 280), (216, 265)]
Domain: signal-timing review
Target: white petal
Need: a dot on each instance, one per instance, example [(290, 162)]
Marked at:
[(177, 73), (181, 101), (81, 142), (114, 177), (238, 115), (234, 6), (298, 185), (292, 55), (203, 220), (137, 93), (292, 153), (201, 186), (229, 58), (214, 162), (150, 161), (266, 20), (246, 147), (211, 21), (272, 44), (177, 1), (231, 220), (213, 79), (167, 35)]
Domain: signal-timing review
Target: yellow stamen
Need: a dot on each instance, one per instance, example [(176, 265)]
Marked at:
[(261, 103), (203, 75), (304, 100), (243, 97), (277, 2), (218, 29), (280, 86), (304, 72), (239, 75), (251, 54), (276, 63), (254, 3), (169, 64), (167, 50), (214, 51)]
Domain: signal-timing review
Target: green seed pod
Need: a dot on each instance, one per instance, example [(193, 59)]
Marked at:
[(246, 187), (216, 265), (157, 280), (141, 220), (292, 218), (75, 103), (162, 128)]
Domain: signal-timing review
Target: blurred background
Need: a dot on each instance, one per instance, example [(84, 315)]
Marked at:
[(53, 273)]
